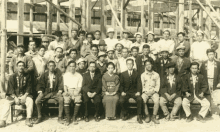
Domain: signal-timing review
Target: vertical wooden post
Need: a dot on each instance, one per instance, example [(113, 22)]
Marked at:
[(143, 20), (150, 16), (20, 19), (190, 22), (218, 29), (181, 16), (208, 23), (49, 19), (122, 16), (114, 23), (31, 18), (72, 14), (103, 19), (83, 15), (88, 15), (161, 23), (58, 16), (3, 43), (201, 19), (177, 18)]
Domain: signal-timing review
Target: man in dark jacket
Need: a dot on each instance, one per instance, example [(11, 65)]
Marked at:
[(129, 89), (18, 92), (194, 88), (171, 92), (50, 87)]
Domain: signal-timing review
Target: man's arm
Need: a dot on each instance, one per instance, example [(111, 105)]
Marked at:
[(30, 65), (11, 86), (121, 83), (157, 87), (85, 86), (29, 85)]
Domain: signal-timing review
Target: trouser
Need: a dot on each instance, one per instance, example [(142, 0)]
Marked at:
[(155, 98), (7, 104), (204, 103), (70, 96), (177, 104), (110, 104), (42, 98), (124, 103), (97, 102)]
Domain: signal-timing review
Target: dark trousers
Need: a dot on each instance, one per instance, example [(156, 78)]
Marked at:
[(124, 103), (97, 102), (43, 98)]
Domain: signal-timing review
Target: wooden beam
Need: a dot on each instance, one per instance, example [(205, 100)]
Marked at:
[(72, 14), (201, 19), (20, 19), (150, 16), (177, 19), (190, 22), (208, 24), (31, 18), (161, 23), (181, 16), (125, 4), (113, 22), (83, 15), (143, 20), (58, 16), (49, 18), (88, 15), (103, 19), (123, 15), (218, 29)]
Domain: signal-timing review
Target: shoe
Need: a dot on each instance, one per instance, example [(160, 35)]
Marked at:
[(189, 118), (28, 122), (74, 120), (200, 118), (86, 119), (38, 120), (97, 118), (209, 115), (123, 118), (139, 119), (147, 119), (167, 117), (172, 118), (155, 120), (2, 123), (60, 120)]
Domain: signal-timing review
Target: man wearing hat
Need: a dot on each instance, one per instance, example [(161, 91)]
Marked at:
[(110, 41), (29, 67), (57, 42), (45, 42), (153, 45), (19, 92), (93, 56), (97, 35), (74, 42), (102, 46), (182, 42), (110, 58), (125, 41), (32, 51), (118, 48), (198, 49), (138, 36), (101, 62), (86, 47), (50, 86), (81, 66), (171, 92)]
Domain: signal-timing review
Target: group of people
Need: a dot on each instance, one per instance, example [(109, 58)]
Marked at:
[(80, 69)]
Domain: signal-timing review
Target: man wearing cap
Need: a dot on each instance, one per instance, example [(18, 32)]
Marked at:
[(118, 48), (171, 92), (102, 46), (182, 42), (72, 81), (81, 66), (138, 36), (166, 42), (125, 41), (50, 86), (198, 49), (153, 45), (110, 41), (31, 49), (19, 92), (97, 35), (194, 88), (29, 67), (57, 42), (45, 42), (101, 63), (110, 58), (86, 47), (93, 56), (74, 42)]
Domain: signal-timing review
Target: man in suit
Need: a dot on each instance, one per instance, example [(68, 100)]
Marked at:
[(91, 89), (129, 89), (50, 86), (194, 88), (171, 92)]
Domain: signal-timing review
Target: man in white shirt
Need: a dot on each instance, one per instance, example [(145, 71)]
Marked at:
[(97, 36), (125, 41), (110, 41), (57, 42), (72, 90), (138, 36), (153, 45), (31, 49)]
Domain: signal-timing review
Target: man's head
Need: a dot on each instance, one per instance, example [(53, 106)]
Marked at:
[(110, 54), (138, 37), (45, 41), (20, 66), (211, 54), (73, 53), (124, 52), (119, 47), (81, 63), (59, 52), (97, 34), (51, 66), (101, 56), (111, 67), (181, 50), (164, 53), (194, 67), (41, 50), (134, 51), (65, 37), (171, 67), (148, 65), (82, 35), (200, 36), (20, 49), (146, 50), (150, 36), (130, 63), (89, 37), (92, 66), (71, 66), (111, 33), (102, 45), (166, 34), (181, 36), (125, 34), (74, 33), (32, 45), (58, 35), (94, 49)]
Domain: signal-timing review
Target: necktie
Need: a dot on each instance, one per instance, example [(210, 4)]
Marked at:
[(92, 75)]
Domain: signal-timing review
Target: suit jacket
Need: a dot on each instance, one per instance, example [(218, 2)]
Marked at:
[(140, 63), (200, 86), (44, 83), (89, 85), (184, 68), (129, 84), (160, 67), (216, 80), (175, 88)]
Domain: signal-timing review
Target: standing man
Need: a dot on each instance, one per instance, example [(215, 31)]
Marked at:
[(85, 49), (31, 49), (19, 92), (57, 42), (182, 42), (74, 42), (102, 46), (110, 41), (129, 88), (91, 89), (194, 88), (97, 35), (138, 36), (45, 42), (153, 45), (125, 41), (118, 49), (93, 56), (50, 86)]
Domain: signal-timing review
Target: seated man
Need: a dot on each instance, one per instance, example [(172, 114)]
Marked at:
[(72, 90), (91, 89), (171, 92), (50, 86), (194, 88), (129, 89), (150, 81), (19, 92)]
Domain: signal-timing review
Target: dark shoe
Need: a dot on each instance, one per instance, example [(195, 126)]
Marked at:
[(200, 118), (155, 120), (38, 120), (167, 117), (123, 118), (60, 120), (74, 120), (139, 119), (172, 118), (2, 124), (209, 115), (189, 118), (147, 119), (28, 122), (97, 118), (86, 119)]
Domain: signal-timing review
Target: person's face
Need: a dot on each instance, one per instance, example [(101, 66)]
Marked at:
[(180, 37), (110, 69), (41, 52), (97, 35), (130, 65), (125, 35), (59, 52), (89, 38), (81, 65), (171, 70), (110, 54), (92, 67), (124, 53), (146, 51), (134, 52), (72, 67), (65, 38), (51, 67), (211, 56), (194, 69), (101, 48), (138, 38), (73, 54), (118, 47), (164, 54), (150, 37), (166, 35), (82, 36), (20, 50), (181, 52), (200, 37), (21, 67), (111, 34), (32, 45), (58, 38), (148, 66), (94, 51), (45, 43), (102, 58), (74, 34)]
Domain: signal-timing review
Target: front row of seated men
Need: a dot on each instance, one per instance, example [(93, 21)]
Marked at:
[(72, 87)]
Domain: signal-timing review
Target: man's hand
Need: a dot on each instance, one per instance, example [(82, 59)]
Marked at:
[(16, 101), (59, 93), (138, 94), (173, 95), (93, 94), (23, 99), (113, 93), (107, 93), (218, 85), (201, 95), (168, 97), (150, 93), (123, 94), (188, 94), (89, 94)]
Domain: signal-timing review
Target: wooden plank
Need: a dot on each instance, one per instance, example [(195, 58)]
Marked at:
[(20, 18), (208, 24), (150, 16), (190, 22), (38, 1), (143, 19), (72, 14), (161, 23), (31, 18), (201, 19), (58, 16), (83, 16), (114, 23), (125, 4), (49, 18), (218, 29), (177, 19), (88, 15), (103, 19), (123, 15), (181, 16)]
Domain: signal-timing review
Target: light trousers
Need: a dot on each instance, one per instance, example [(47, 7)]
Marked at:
[(176, 106), (155, 97)]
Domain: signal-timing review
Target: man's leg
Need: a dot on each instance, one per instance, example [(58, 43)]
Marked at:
[(156, 99), (139, 106), (97, 102), (60, 99), (5, 111), (205, 107), (67, 100), (145, 98), (176, 107), (38, 103), (163, 105), (29, 109), (123, 103), (78, 102), (186, 108), (86, 101)]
